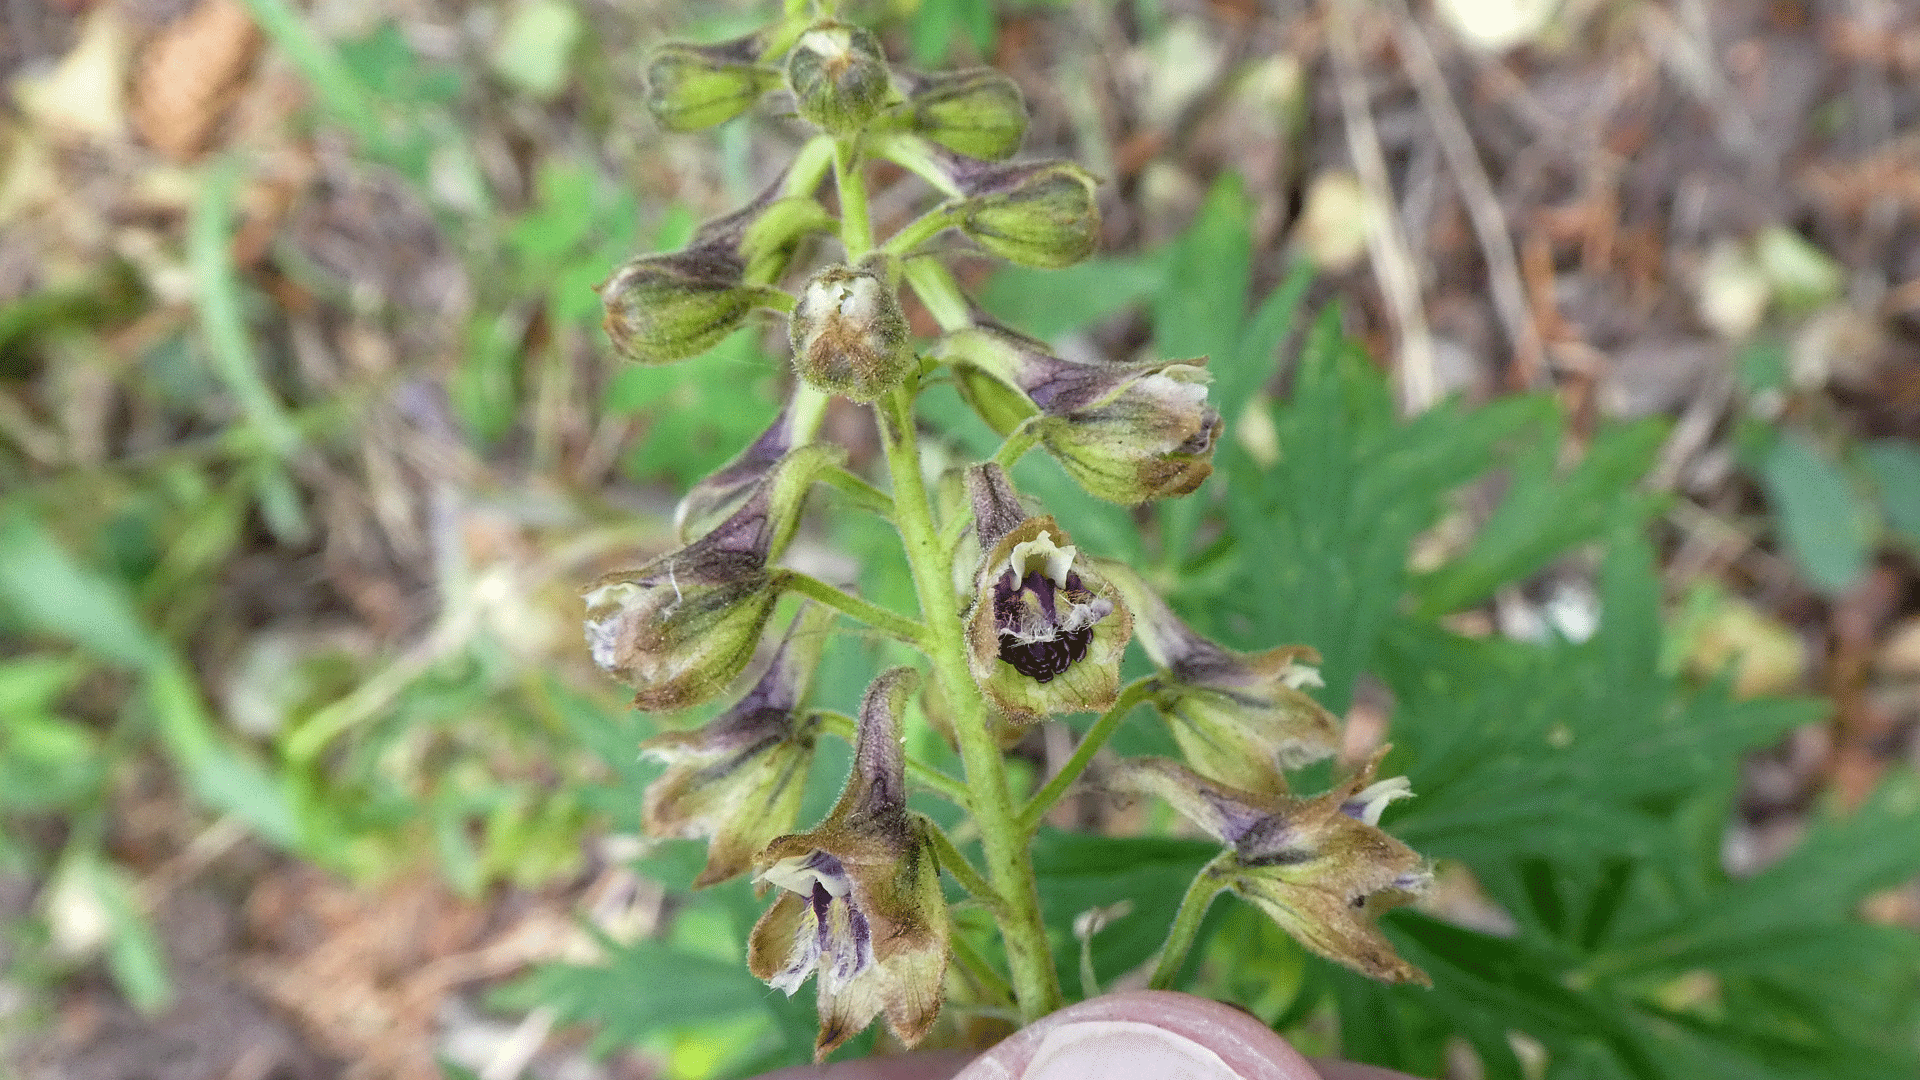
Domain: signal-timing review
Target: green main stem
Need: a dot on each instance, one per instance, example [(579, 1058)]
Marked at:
[(1009, 871), (1035, 984)]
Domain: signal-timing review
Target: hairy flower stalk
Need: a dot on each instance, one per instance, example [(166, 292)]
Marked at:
[(1016, 623)]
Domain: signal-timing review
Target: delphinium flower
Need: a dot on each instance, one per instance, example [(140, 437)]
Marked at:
[(1321, 867), (682, 626), (1242, 720), (1046, 631), (1128, 433), (860, 904)]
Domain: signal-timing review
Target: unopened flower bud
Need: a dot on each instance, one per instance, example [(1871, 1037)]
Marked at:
[(1319, 867), (850, 336), (682, 626), (739, 779), (710, 500), (860, 903), (690, 87), (1243, 720), (1046, 631), (1127, 433), (662, 308), (838, 75), (978, 112), (1041, 214)]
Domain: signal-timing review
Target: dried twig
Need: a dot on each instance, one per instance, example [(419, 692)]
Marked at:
[(1476, 189), (1392, 259)]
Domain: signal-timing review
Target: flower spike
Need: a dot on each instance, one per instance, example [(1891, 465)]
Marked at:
[(738, 780), (1126, 433), (1240, 719), (860, 903), (1319, 867), (1046, 632), (682, 626)]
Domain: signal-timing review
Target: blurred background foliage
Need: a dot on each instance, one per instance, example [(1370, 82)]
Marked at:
[(308, 434)]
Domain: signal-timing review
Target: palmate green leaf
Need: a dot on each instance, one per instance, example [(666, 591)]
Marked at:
[(1324, 532), (643, 988), (1564, 750), (1816, 886)]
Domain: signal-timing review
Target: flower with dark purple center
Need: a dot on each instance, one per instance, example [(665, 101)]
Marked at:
[(860, 903), (1046, 631)]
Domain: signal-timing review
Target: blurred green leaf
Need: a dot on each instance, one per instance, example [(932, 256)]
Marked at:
[(1050, 303), (1894, 467), (1077, 872), (534, 48), (1823, 523), (50, 592)]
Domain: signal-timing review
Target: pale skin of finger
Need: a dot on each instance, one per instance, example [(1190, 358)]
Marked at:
[(1139, 1035)]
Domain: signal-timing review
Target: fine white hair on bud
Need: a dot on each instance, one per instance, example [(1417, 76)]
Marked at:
[(849, 334)]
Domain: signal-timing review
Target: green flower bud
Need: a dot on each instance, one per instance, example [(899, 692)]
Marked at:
[(860, 902), (680, 628), (1126, 433), (978, 112), (1046, 631), (1041, 214), (1319, 867), (838, 75), (690, 87), (850, 336), (738, 780), (1243, 720), (662, 308)]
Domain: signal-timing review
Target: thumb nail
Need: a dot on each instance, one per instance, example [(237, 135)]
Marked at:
[(1123, 1050)]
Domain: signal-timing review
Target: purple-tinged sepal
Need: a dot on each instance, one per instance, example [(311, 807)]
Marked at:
[(681, 627), (1046, 631), (711, 499), (838, 75), (690, 87), (737, 781), (1320, 867), (860, 905), (1242, 719), (849, 333), (1040, 214), (1125, 432)]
